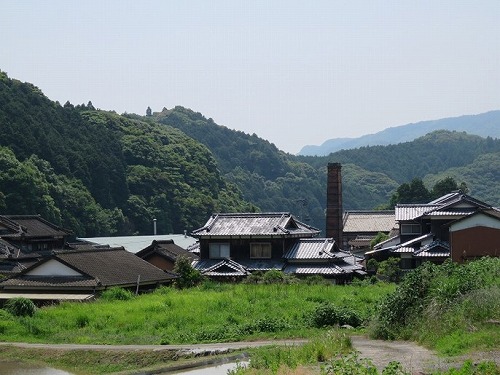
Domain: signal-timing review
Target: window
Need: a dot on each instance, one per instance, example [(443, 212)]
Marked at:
[(410, 228), (260, 250), (219, 250)]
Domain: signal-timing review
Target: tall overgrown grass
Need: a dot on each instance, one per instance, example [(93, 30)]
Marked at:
[(208, 313), (451, 308)]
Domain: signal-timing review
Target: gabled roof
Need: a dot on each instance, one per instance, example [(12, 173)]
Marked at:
[(273, 224), (31, 226), (411, 245), (92, 268), (453, 204), (492, 213), (220, 268), (137, 243), (312, 248), (369, 221), (166, 249), (436, 249)]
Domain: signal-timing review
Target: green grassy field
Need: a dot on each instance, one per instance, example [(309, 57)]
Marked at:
[(208, 313)]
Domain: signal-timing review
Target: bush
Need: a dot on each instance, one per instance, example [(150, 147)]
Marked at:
[(117, 294), (390, 269), (327, 314), (20, 306), (188, 276), (464, 293)]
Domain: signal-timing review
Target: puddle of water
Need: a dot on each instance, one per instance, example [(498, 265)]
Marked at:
[(17, 368)]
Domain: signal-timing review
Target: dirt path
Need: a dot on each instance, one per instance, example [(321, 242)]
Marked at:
[(413, 357)]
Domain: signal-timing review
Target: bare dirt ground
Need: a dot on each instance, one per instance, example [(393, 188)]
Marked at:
[(414, 358)]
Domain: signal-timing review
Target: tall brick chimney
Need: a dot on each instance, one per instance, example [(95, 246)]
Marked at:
[(334, 203)]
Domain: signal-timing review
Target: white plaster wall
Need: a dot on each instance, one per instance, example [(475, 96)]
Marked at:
[(53, 268), (478, 220)]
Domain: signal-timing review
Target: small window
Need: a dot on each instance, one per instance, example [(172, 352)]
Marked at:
[(410, 228), (260, 250), (219, 250)]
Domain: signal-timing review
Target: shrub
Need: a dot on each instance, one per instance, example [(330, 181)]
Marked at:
[(390, 269), (20, 306), (188, 276), (116, 294), (327, 314), (273, 277), (82, 321)]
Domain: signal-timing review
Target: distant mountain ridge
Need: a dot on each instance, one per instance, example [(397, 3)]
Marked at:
[(485, 125)]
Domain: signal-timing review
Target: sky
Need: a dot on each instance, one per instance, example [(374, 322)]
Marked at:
[(295, 73)]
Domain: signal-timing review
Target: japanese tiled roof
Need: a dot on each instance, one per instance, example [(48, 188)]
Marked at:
[(49, 282), (274, 224), (436, 249), (97, 267), (113, 266), (410, 245), (454, 204), (30, 226), (361, 241), (262, 264), (7, 250), (220, 268), (369, 221), (314, 269), (312, 248), (167, 249)]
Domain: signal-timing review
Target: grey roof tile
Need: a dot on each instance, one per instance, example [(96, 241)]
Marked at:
[(369, 221), (273, 224)]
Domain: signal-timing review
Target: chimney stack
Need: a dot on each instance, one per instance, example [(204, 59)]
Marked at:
[(334, 203)]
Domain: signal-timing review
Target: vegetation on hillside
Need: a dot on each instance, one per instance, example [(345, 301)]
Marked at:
[(100, 173), (276, 181)]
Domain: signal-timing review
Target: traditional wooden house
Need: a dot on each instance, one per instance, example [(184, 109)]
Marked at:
[(32, 235), (476, 235), (425, 230), (163, 254), (80, 274), (361, 227), (235, 245)]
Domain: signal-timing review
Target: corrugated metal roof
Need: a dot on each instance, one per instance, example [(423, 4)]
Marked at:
[(272, 224), (369, 221), (136, 243)]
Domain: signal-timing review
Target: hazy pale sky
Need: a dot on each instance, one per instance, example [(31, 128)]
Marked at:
[(292, 72)]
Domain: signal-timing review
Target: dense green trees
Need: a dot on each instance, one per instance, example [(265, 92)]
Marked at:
[(99, 173)]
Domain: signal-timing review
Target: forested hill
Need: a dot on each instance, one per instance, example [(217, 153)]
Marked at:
[(98, 173), (274, 180), (483, 124)]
